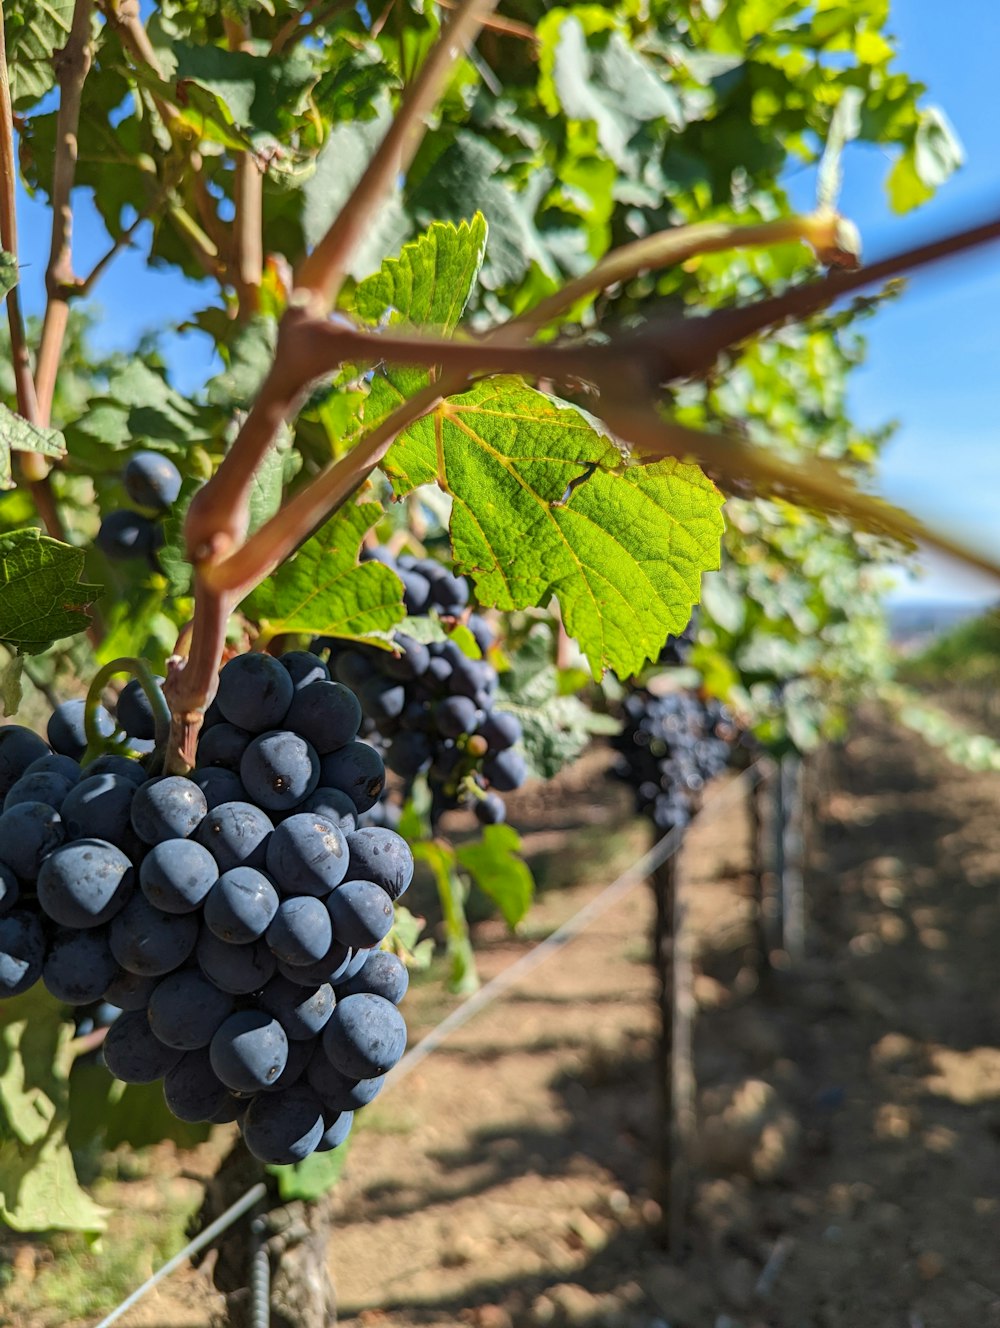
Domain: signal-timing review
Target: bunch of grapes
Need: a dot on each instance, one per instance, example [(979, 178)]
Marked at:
[(152, 482), (431, 707), (669, 748), (235, 918)]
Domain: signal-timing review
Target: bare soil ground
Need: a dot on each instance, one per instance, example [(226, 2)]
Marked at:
[(849, 1112)]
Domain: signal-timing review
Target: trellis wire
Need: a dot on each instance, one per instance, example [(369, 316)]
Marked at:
[(216, 1228), (509, 977)]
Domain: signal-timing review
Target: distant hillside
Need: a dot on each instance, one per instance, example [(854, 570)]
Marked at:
[(914, 624), (968, 652)]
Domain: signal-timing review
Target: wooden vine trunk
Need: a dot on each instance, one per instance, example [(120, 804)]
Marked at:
[(297, 1238), (672, 959), (791, 848)]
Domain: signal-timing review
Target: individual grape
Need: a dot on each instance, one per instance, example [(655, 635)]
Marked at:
[(333, 805), (19, 750), (124, 534), (110, 763), (170, 807), (455, 715), (218, 786), (299, 1056), (255, 692), (223, 745), (152, 481), (300, 932), (335, 1132), (382, 974), (147, 941), (365, 1036), (99, 807), (248, 1051), (233, 1108), (506, 770), (236, 834), (332, 968), (240, 905), (10, 891), (177, 874), (490, 810), (328, 714), (361, 913), (500, 729), (381, 856), (283, 1128), (237, 969), (134, 710), (29, 832), (307, 854), (409, 754), (279, 770), (301, 1011), (450, 593), (416, 592), (79, 965), (352, 668), (304, 668), (66, 732), (43, 786), (411, 662), (382, 698), (482, 631), (49, 764), (133, 1052), (129, 991), (357, 770), (22, 951), (193, 1091), (339, 1092), (186, 1009)]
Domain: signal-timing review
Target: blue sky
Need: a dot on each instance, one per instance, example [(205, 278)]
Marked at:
[(934, 359)]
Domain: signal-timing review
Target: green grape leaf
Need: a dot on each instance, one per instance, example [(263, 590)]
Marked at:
[(42, 598), (325, 591), (257, 93), (9, 272), (35, 30), (429, 284), (544, 504), (309, 1179), (270, 478), (18, 435), (39, 1190), (469, 177), (556, 727), (339, 167), (606, 82), (249, 356), (493, 864)]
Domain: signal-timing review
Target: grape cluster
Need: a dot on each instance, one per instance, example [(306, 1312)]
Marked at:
[(235, 918), (152, 482), (669, 748), (430, 706)]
